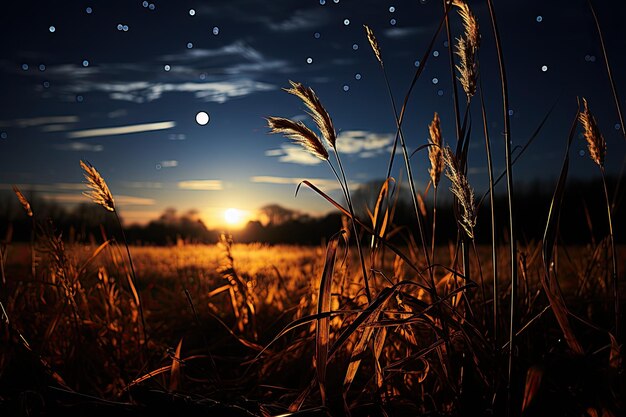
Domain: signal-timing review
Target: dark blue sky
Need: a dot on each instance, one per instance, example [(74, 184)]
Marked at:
[(68, 67)]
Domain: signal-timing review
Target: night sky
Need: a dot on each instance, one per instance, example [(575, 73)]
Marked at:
[(72, 70)]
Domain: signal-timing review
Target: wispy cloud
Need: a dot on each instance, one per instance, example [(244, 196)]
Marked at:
[(363, 143), (142, 184), (39, 121), (300, 20), (142, 92), (201, 185), (170, 163), (401, 33), (322, 183), (55, 128), (79, 147), (293, 154), (121, 130), (120, 200)]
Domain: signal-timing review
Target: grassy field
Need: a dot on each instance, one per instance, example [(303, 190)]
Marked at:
[(232, 328)]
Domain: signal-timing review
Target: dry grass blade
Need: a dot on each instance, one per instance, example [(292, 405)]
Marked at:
[(615, 357), (317, 111), (322, 334), (175, 375), (463, 192), (100, 193), (595, 140), (300, 134), (533, 382), (435, 152), (373, 43), (23, 201)]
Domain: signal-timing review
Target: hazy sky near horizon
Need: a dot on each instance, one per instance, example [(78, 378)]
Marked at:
[(119, 83)]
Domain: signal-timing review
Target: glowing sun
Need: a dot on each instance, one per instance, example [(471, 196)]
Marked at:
[(233, 217)]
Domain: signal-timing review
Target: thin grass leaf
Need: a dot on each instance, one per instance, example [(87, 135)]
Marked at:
[(532, 385), (175, 374), (322, 333), (548, 279)]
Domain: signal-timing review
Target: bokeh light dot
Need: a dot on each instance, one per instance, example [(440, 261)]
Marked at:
[(617, 126), (392, 22), (52, 29), (46, 84), (435, 54), (322, 2), (89, 10), (79, 98), (417, 63), (4, 135), (309, 60), (346, 87), (392, 9), (42, 67), (151, 6), (25, 67), (167, 67), (317, 35), (544, 68), (581, 152), (192, 12), (440, 92), (539, 19), (435, 81), (216, 31), (357, 76), (511, 112), (85, 63), (202, 118), (144, 4), (120, 26), (346, 22), (355, 46), (189, 45)]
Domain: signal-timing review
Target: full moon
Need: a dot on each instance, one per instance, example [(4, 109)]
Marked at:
[(202, 118)]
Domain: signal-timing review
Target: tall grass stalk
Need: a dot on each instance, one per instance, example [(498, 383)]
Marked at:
[(511, 410), (101, 195), (399, 133), (494, 250)]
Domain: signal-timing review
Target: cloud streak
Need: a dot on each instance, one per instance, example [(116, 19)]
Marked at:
[(201, 185), (322, 183), (121, 130)]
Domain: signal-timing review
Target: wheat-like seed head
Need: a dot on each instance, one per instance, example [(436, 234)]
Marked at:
[(467, 49), (100, 193), (435, 153), (467, 68), (595, 140), (23, 201), (317, 111), (299, 133), (470, 23), (463, 192), (373, 43)]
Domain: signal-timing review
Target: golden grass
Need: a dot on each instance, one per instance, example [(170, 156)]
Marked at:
[(100, 193), (300, 134), (595, 141)]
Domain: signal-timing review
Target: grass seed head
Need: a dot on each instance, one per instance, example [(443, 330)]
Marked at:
[(300, 134), (463, 192), (595, 140), (317, 111), (373, 43), (435, 153), (99, 191), (23, 201)]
